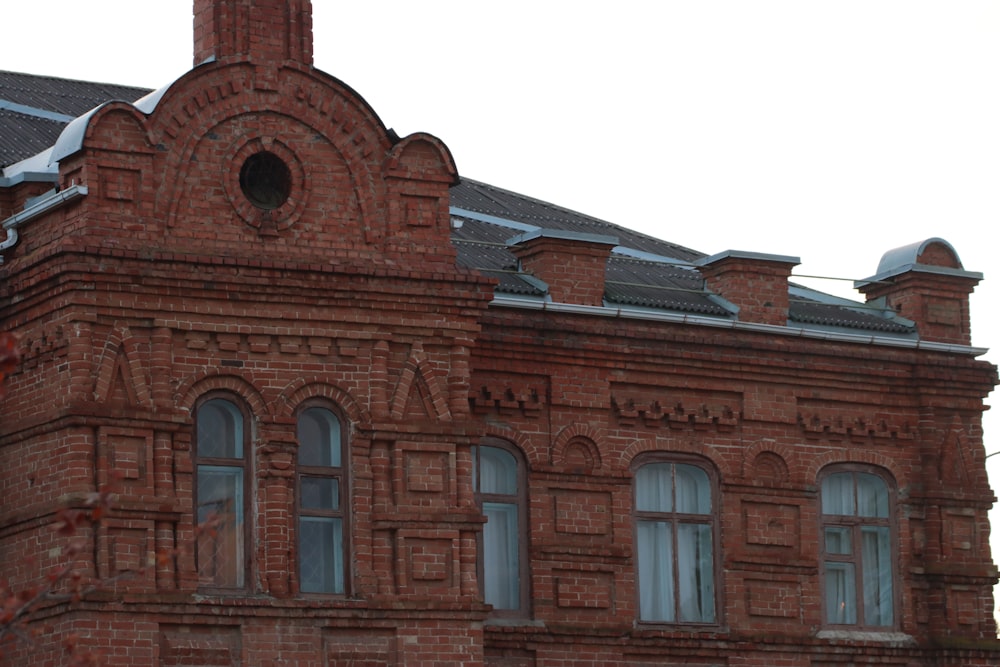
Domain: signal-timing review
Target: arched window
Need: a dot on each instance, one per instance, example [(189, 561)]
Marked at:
[(857, 547), (221, 473), (322, 498), (500, 491), (675, 541)]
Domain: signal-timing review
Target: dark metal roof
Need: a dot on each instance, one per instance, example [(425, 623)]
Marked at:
[(809, 311), (643, 272), (26, 120), (477, 197)]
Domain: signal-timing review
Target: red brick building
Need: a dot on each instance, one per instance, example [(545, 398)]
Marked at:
[(434, 422)]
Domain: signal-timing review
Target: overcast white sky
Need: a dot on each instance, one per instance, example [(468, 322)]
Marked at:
[(831, 131)]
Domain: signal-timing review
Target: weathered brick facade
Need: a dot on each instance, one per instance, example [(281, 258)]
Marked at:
[(161, 276)]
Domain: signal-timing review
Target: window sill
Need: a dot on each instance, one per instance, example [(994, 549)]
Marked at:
[(512, 623), (889, 637)]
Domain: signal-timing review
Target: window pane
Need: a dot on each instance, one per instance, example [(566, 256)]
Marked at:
[(873, 496), (838, 494), (502, 587), (656, 570), (319, 438), (695, 579), (497, 471), (840, 594), (692, 489), (220, 430), (876, 563), (654, 488), (319, 493), (220, 515), (838, 540), (321, 555)]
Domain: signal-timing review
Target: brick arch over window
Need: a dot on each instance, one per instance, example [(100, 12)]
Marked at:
[(576, 440), (195, 387), (859, 456), (304, 389), (675, 446), (533, 456)]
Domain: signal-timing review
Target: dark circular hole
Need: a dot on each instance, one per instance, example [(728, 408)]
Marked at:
[(266, 180)]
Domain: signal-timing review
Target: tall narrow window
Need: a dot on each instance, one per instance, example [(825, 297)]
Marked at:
[(857, 549), (499, 484), (322, 498), (220, 493), (675, 536)]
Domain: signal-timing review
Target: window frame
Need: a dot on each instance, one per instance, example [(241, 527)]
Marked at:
[(342, 511), (855, 523), (520, 500), (712, 519), (245, 467)]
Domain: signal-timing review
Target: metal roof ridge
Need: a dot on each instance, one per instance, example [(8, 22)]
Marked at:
[(35, 112)]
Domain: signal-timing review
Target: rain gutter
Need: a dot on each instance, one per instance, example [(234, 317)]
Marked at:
[(701, 320), (38, 208)]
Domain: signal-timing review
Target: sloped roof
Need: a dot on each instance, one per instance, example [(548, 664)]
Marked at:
[(34, 109), (643, 272)]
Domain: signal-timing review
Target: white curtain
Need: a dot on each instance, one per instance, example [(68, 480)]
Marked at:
[(501, 587), (841, 594), (876, 561), (321, 554), (838, 494), (656, 577), (695, 580)]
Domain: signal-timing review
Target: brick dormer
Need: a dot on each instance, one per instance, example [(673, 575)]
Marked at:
[(926, 283), (261, 31), (754, 282), (573, 265)]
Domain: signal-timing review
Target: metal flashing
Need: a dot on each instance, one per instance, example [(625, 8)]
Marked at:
[(746, 254)]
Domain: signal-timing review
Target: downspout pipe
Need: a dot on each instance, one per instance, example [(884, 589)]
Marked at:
[(38, 208)]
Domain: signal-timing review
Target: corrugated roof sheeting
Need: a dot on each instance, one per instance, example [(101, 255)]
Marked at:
[(490, 200)]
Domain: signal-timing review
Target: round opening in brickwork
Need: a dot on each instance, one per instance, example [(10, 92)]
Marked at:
[(266, 180)]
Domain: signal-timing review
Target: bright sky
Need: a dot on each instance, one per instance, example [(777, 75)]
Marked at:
[(830, 131)]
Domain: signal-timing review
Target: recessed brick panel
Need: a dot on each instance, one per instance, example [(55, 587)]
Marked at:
[(770, 524), (581, 512)]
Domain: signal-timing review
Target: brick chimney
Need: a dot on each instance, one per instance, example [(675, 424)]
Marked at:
[(926, 283), (754, 282), (261, 31), (573, 265)]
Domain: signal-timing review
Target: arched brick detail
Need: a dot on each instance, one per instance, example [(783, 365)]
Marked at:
[(409, 159), (782, 453), (856, 455), (212, 380), (533, 456), (678, 446), (578, 435), (328, 108), (306, 388)]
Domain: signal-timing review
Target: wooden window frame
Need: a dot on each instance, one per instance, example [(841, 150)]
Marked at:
[(339, 473), (244, 465), (712, 519), (520, 499), (855, 523)]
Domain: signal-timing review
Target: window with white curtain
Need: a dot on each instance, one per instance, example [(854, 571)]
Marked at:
[(220, 457), (857, 548), (675, 541), (322, 497), (499, 485)]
